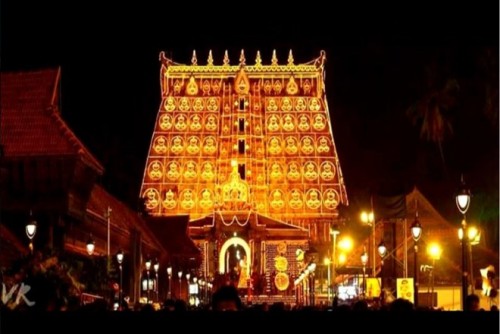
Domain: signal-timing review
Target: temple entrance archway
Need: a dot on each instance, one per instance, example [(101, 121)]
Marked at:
[(234, 243)]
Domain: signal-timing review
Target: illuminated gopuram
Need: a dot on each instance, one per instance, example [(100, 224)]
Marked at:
[(247, 152)]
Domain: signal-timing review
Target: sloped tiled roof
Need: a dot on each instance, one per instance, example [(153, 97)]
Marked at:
[(122, 217), (173, 233), (434, 225), (30, 121)]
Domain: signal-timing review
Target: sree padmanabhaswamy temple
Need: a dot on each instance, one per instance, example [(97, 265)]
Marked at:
[(247, 154)]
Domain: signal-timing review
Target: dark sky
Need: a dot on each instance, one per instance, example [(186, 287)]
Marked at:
[(381, 59)]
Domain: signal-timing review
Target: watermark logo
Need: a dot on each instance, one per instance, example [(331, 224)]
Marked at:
[(22, 290)]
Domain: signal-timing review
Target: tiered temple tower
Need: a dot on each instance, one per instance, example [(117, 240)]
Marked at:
[(247, 153)]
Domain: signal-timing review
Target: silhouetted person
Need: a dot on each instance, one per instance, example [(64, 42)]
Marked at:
[(472, 303), (401, 305), (360, 305), (226, 298)]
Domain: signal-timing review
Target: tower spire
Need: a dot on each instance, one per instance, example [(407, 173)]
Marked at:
[(210, 60), (194, 60), (274, 59), (290, 58), (258, 59), (226, 58), (242, 57)]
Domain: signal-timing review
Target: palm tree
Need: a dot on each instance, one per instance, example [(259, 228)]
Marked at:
[(431, 113)]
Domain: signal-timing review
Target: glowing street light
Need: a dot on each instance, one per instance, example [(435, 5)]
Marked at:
[(462, 199), (327, 263), (364, 261), (382, 251), (416, 234), (368, 218), (434, 251), (169, 273), (156, 267), (119, 259), (31, 227), (474, 236), (148, 267), (90, 245), (334, 231), (180, 283)]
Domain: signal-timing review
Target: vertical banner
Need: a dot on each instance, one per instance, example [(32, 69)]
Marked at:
[(373, 287), (405, 288)]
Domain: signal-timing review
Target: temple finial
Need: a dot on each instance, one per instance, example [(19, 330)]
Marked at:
[(258, 59), (226, 58), (194, 60), (290, 58), (274, 59), (320, 62), (242, 57), (210, 60)]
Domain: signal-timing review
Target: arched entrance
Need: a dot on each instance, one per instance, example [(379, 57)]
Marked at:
[(234, 242)]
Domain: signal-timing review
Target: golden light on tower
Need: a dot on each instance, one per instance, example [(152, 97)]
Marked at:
[(242, 144)]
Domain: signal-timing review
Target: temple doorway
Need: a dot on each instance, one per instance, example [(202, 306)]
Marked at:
[(235, 261)]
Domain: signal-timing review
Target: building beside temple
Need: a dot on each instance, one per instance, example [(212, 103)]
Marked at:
[(48, 175), (246, 153)]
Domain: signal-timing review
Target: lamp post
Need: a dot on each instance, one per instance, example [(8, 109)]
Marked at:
[(462, 199), (156, 267), (382, 251), (474, 237), (195, 281), (31, 227), (334, 231), (364, 261), (416, 233), (201, 283), (119, 259), (180, 283), (327, 263), (148, 267), (434, 251), (368, 218), (188, 276), (169, 273), (108, 240)]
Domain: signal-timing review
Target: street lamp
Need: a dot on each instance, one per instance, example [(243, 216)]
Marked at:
[(327, 263), (31, 227), (180, 283), (364, 261), (334, 231), (416, 233), (382, 251), (474, 237), (156, 267), (119, 259), (148, 267), (368, 218), (195, 282), (169, 273), (434, 251), (90, 245), (462, 199)]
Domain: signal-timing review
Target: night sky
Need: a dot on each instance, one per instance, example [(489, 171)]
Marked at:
[(381, 59)]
